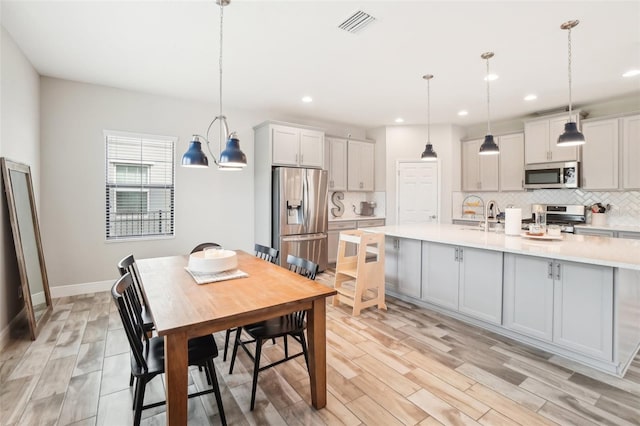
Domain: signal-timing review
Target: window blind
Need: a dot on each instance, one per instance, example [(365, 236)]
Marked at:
[(139, 186)]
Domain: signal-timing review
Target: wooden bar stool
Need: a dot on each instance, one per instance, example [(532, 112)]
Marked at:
[(359, 279)]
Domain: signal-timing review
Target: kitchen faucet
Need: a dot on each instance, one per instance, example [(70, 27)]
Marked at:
[(489, 206)]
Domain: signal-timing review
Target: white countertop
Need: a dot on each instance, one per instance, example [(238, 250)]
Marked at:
[(615, 252), (353, 217)]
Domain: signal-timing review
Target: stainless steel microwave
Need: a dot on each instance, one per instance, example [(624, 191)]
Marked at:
[(552, 175)]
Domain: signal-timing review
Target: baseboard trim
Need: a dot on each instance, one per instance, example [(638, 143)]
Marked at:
[(76, 289), (5, 334)]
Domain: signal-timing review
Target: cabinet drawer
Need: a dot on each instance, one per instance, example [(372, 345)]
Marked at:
[(341, 226), (370, 223)]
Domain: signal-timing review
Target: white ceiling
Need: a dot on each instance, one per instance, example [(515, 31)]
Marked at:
[(277, 51)]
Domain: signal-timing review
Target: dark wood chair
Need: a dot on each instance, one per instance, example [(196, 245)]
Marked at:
[(128, 264), (203, 246), (293, 325), (147, 353), (265, 253)]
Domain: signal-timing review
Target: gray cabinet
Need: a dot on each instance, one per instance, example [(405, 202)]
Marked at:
[(567, 303), (463, 279), (360, 166), (628, 234), (297, 147), (402, 271), (336, 163), (479, 172), (511, 160), (333, 235), (631, 152), (600, 155), (540, 140), (595, 232)]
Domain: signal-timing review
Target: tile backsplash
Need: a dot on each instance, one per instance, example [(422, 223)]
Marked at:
[(625, 205)]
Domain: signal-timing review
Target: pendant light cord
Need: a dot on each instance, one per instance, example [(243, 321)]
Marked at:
[(220, 71), (570, 102), (488, 101), (428, 112)]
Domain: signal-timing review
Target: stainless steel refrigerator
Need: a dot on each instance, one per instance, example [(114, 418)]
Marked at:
[(300, 214)]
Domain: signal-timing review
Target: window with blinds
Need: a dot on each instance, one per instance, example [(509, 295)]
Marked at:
[(139, 186)]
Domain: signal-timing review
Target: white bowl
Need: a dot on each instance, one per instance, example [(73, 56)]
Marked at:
[(215, 261)]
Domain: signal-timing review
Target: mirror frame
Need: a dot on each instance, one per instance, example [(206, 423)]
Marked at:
[(7, 167)]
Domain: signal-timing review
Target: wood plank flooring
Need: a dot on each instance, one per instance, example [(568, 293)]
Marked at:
[(405, 366)]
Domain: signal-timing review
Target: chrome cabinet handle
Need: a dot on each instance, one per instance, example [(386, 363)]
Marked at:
[(460, 256), (456, 254), (549, 270), (558, 271)]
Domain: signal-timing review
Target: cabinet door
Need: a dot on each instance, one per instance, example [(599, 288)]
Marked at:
[(337, 164), (631, 152), (536, 142), (285, 145), (440, 271), (528, 295), (600, 155), (488, 167), (481, 284), (560, 153), (409, 267), (391, 247), (470, 165), (311, 148), (367, 165), (512, 162), (360, 159), (595, 232), (583, 311)]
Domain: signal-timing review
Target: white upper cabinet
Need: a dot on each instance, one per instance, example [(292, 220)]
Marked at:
[(360, 169), (541, 137), (479, 172), (337, 163), (511, 159), (600, 155), (631, 152), (297, 147)]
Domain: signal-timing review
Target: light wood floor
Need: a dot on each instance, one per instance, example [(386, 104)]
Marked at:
[(404, 366)]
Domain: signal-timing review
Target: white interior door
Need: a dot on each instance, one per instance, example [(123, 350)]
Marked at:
[(417, 192)]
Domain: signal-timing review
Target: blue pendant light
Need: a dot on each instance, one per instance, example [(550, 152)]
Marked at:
[(571, 135), (489, 146), (429, 154), (232, 158)]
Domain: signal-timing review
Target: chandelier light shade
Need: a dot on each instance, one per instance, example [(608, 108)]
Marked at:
[(571, 135), (489, 146), (429, 154), (232, 158)]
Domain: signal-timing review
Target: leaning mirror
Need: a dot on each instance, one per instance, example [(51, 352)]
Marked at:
[(26, 238)]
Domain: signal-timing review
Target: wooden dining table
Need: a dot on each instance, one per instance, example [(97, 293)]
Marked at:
[(183, 309)]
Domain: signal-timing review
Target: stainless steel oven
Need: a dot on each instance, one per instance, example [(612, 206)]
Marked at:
[(552, 175)]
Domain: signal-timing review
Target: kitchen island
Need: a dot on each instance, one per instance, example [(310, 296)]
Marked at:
[(577, 297)]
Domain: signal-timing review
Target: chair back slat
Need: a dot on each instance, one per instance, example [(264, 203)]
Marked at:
[(128, 264), (306, 268), (267, 253), (203, 246), (122, 293)]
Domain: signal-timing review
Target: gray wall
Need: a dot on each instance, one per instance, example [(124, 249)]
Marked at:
[(19, 141)]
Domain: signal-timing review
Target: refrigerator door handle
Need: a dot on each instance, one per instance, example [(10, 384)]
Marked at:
[(306, 237), (306, 201)]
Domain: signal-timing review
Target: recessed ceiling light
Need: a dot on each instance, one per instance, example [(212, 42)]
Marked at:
[(491, 77), (307, 99), (631, 73), (399, 120), (463, 113), (531, 97)]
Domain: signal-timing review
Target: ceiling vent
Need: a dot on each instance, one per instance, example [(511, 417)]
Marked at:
[(356, 22)]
